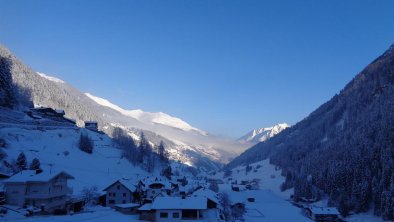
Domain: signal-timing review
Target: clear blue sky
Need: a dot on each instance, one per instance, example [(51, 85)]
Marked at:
[(223, 66)]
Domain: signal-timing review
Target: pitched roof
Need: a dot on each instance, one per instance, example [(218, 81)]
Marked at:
[(126, 183), (145, 207), (208, 194), (26, 176), (178, 203)]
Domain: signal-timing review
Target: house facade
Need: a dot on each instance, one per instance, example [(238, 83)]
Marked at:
[(120, 192), (48, 191), (192, 208)]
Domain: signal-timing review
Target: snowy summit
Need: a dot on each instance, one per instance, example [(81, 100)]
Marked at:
[(262, 134)]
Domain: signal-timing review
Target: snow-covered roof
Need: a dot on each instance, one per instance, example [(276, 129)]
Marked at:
[(60, 111), (26, 176), (324, 210), (125, 182), (127, 205), (208, 194), (178, 203), (150, 181), (145, 207)]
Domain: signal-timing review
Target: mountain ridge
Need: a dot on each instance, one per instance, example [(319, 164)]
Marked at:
[(344, 147)]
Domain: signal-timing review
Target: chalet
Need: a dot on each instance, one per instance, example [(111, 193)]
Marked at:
[(91, 125), (46, 190), (46, 111), (322, 214), (120, 192), (182, 209)]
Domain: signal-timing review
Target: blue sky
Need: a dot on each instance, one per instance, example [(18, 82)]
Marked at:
[(223, 66)]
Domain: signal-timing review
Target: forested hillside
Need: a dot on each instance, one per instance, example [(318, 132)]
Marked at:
[(345, 148)]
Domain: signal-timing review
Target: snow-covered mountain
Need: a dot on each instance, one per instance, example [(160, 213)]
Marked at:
[(185, 142), (148, 117), (262, 134)]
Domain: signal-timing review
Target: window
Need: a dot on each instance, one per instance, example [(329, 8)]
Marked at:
[(124, 194), (175, 215), (118, 187), (114, 194), (163, 215), (111, 201)]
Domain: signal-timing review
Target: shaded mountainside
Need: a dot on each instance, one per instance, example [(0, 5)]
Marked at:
[(10, 95), (345, 148)]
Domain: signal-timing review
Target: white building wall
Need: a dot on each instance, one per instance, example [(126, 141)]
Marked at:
[(170, 214), (122, 195)]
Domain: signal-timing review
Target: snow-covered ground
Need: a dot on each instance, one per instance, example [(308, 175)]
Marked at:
[(96, 214), (58, 150), (271, 204)]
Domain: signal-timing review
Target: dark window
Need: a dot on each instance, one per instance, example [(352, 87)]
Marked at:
[(175, 215), (114, 194), (118, 187), (124, 194), (163, 215), (111, 201)]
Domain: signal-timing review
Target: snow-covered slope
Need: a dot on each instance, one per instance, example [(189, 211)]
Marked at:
[(262, 134), (190, 145), (50, 78), (148, 117)]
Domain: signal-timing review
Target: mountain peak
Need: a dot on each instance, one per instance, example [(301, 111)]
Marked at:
[(262, 134)]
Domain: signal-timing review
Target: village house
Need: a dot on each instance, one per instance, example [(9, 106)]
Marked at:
[(169, 209), (46, 111), (322, 214), (46, 190), (120, 192), (91, 125)]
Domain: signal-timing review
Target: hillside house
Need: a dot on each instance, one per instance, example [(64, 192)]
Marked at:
[(322, 214), (46, 112), (120, 192), (46, 190), (91, 125)]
